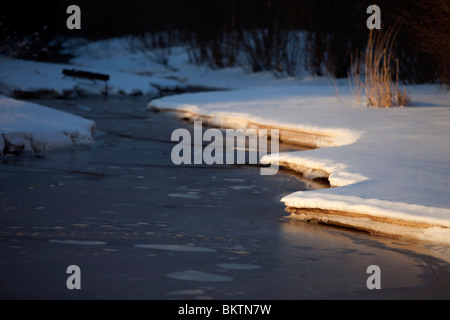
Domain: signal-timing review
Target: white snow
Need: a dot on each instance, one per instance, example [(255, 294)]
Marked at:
[(390, 163), (381, 163), (125, 55), (31, 76), (132, 72), (119, 55), (35, 128)]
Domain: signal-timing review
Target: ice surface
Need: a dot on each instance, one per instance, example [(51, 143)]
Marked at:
[(80, 242), (173, 247), (184, 195), (194, 275), (238, 266)]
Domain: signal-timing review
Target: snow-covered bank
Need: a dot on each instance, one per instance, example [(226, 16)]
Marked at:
[(132, 72), (26, 126), (389, 168), (34, 77), (390, 165), (177, 73)]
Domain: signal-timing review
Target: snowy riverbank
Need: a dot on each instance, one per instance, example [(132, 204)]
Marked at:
[(390, 166), (33, 77), (30, 127)]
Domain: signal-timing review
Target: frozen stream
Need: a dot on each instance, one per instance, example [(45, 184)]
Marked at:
[(140, 227)]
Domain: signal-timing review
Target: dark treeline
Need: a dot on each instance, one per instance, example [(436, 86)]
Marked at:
[(278, 35)]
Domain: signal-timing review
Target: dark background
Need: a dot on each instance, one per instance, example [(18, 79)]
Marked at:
[(218, 31)]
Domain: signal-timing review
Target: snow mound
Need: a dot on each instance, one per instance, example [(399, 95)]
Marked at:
[(38, 77), (388, 168), (26, 126)]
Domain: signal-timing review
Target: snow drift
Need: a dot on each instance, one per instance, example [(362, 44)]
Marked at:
[(26, 126), (388, 168)]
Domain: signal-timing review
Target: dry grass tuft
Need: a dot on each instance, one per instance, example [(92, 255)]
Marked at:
[(379, 86)]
